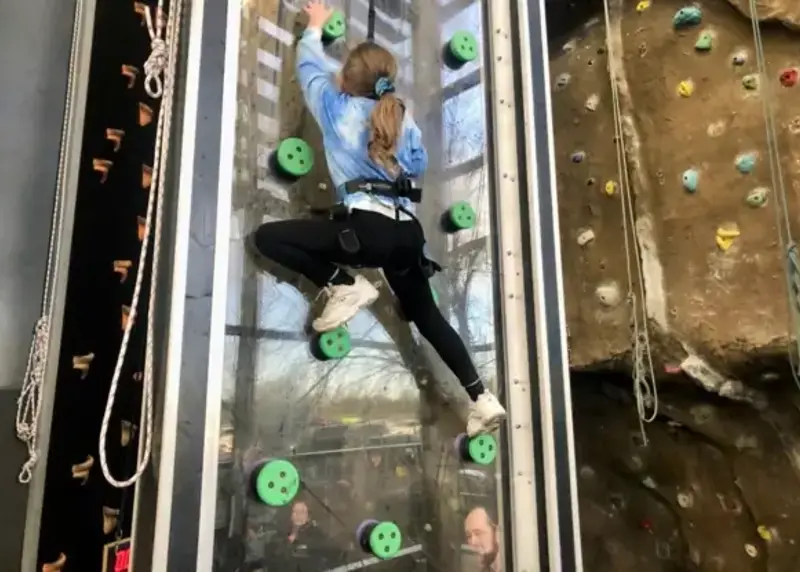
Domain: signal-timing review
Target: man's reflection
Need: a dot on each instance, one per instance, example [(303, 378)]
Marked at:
[(483, 538), (304, 546)]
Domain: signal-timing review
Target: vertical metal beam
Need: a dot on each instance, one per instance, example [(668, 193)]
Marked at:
[(555, 398), (504, 105), (67, 183)]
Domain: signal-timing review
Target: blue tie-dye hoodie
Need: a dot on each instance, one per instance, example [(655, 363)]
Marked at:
[(345, 124)]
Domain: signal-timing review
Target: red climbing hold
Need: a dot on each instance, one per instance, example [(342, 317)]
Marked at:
[(789, 77)]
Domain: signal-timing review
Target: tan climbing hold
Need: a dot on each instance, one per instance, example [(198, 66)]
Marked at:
[(585, 236), (102, 166), (126, 314), (82, 364), (141, 9), (130, 72), (686, 88), (121, 267), (147, 176), (145, 115), (56, 565), (610, 188), (126, 431), (110, 517), (115, 136), (726, 234), (141, 227), (81, 471)]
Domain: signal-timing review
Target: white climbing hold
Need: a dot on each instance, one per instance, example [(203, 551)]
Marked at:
[(322, 187), (608, 294), (716, 129), (562, 80), (739, 57), (586, 472), (592, 102), (578, 156), (750, 82), (685, 500), (649, 483), (794, 126), (585, 236), (569, 46), (751, 550)]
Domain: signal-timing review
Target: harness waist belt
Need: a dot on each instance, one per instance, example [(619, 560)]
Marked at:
[(401, 188)]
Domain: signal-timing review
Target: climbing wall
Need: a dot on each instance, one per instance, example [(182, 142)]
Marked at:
[(713, 485), (313, 448), (85, 521)]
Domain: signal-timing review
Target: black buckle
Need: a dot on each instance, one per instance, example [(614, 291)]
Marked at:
[(404, 187)]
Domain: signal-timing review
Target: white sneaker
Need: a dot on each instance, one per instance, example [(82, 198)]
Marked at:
[(344, 302), (485, 415)]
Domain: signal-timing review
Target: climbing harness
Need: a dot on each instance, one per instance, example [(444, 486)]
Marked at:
[(29, 400), (153, 225), (786, 241), (645, 387)]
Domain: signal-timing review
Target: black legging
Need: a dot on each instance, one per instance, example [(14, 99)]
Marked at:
[(312, 248)]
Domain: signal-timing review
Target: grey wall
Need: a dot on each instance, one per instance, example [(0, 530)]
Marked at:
[(34, 52)]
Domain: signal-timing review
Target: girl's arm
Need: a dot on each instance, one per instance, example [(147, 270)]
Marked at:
[(412, 155), (315, 74)]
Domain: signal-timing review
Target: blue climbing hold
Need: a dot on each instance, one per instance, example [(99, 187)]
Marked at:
[(689, 179), (745, 163), (687, 17)]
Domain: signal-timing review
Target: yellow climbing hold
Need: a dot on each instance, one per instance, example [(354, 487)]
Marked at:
[(686, 88), (764, 533), (642, 6), (726, 235), (610, 188)]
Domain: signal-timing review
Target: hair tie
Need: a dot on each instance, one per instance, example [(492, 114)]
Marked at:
[(383, 85)]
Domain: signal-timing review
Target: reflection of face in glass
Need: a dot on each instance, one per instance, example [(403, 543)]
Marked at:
[(375, 459), (299, 514), (481, 536)]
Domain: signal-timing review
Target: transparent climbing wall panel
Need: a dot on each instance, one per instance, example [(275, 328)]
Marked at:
[(369, 435)]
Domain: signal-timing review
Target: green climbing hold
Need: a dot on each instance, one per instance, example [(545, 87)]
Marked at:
[(276, 482), (704, 42), (686, 17), (482, 449), (745, 163), (750, 82), (335, 27), (295, 157), (757, 197), (463, 46), (461, 215), (336, 343), (385, 540)]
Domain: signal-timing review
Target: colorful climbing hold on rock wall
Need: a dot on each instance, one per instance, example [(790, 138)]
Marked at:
[(562, 80), (750, 82), (726, 234), (789, 77), (686, 17), (686, 88), (642, 6), (592, 102), (739, 58), (757, 198), (745, 163), (610, 188), (690, 179), (704, 42), (577, 157)]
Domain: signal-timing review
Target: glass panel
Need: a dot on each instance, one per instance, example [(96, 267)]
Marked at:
[(366, 433)]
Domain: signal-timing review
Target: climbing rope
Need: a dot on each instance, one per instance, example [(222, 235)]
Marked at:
[(156, 62), (152, 221), (645, 387), (29, 400)]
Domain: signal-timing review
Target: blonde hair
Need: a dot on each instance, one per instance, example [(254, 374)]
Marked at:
[(365, 64)]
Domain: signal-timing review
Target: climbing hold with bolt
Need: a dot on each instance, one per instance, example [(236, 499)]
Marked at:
[(751, 550), (757, 198), (577, 157), (685, 500), (460, 216), (739, 58), (610, 188), (275, 482), (686, 88), (608, 294), (704, 42), (789, 77), (294, 157), (750, 82), (726, 234), (794, 125), (585, 236), (765, 533), (642, 5), (335, 27), (334, 344), (562, 80), (690, 180), (687, 17), (461, 49), (481, 449), (745, 163), (592, 102), (381, 539)]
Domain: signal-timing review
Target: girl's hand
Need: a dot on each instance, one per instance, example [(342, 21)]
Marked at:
[(318, 13)]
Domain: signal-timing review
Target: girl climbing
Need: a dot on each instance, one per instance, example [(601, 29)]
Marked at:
[(373, 149)]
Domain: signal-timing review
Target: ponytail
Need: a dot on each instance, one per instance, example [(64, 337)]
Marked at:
[(386, 124)]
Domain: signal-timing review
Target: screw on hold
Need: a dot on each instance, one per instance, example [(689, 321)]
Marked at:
[(577, 157), (704, 42), (794, 126), (562, 80), (585, 236), (686, 88), (608, 294), (690, 179), (745, 163), (757, 198), (687, 17), (750, 82), (685, 500), (610, 188), (789, 77), (726, 234), (764, 532), (649, 483), (739, 58), (592, 102), (642, 6)]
